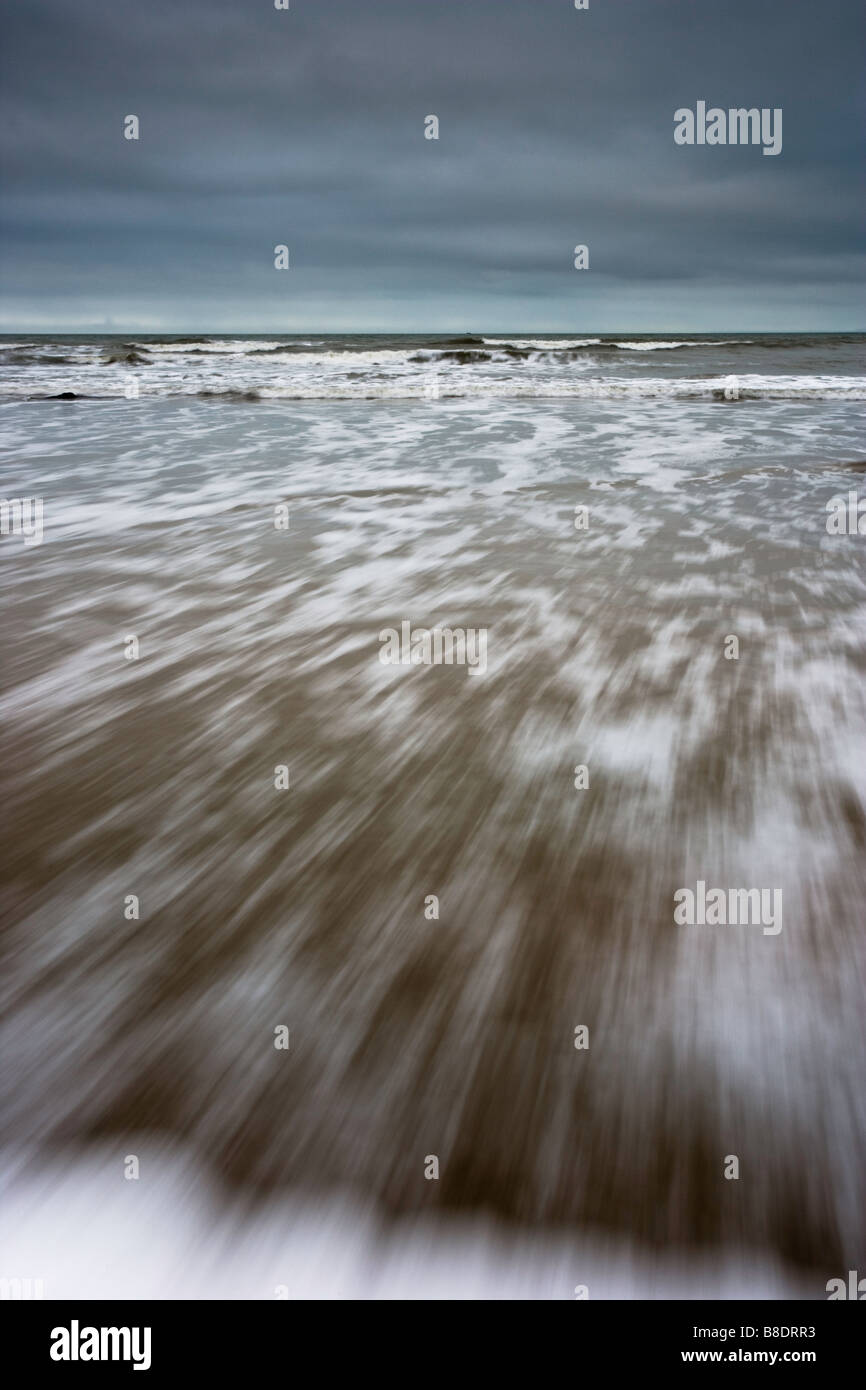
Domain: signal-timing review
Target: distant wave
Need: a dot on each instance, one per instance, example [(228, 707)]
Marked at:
[(432, 366), (131, 358), (22, 358), (638, 346), (629, 345), (542, 344)]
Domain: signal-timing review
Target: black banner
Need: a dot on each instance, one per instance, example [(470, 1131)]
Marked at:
[(160, 1339)]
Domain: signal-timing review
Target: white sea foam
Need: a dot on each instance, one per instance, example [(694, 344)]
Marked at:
[(642, 345), (543, 344), (78, 1226)]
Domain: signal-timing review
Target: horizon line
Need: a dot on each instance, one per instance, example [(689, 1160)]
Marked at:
[(421, 332)]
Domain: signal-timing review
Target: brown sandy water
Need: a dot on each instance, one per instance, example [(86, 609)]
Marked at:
[(454, 1037)]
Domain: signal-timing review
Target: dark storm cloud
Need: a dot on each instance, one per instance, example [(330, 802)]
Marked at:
[(305, 127)]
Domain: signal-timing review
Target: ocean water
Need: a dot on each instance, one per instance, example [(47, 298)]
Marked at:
[(810, 367), (433, 481)]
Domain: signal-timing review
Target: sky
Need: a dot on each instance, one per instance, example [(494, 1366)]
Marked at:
[(306, 128)]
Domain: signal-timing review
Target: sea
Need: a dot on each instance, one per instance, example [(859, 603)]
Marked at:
[(333, 977)]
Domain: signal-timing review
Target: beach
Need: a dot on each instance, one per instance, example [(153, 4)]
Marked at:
[(609, 510)]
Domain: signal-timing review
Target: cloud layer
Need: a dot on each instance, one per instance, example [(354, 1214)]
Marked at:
[(306, 127)]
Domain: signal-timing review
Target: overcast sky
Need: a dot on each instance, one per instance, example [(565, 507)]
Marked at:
[(306, 127)]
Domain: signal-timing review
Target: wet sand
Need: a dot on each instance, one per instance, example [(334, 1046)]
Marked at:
[(305, 908)]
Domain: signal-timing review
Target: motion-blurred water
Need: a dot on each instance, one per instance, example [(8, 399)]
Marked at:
[(413, 1036)]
